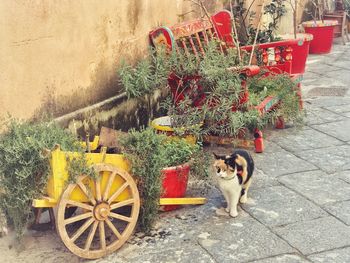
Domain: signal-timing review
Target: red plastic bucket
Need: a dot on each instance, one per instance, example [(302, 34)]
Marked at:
[(323, 35), (175, 181)]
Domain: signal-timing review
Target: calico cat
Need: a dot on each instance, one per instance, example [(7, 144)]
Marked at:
[(234, 177)]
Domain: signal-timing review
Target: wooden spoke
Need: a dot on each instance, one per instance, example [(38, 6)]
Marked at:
[(79, 204), (77, 218), (98, 189), (85, 191), (122, 203), (120, 217), (118, 192), (82, 239), (101, 227), (112, 227), (108, 186), (91, 236), (82, 229)]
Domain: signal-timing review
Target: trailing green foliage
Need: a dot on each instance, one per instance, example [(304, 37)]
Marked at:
[(149, 74), (77, 165), (282, 87), (24, 165), (209, 98), (149, 153)]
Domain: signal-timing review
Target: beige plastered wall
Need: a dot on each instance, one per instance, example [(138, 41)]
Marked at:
[(58, 56)]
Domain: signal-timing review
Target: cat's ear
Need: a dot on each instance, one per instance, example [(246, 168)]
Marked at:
[(218, 157)]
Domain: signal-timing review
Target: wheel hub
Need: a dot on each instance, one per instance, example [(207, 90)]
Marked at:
[(102, 211)]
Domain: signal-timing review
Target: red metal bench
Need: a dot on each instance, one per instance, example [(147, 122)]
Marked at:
[(193, 36)]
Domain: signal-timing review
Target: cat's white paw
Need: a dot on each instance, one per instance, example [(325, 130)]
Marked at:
[(227, 210), (243, 199), (233, 213)]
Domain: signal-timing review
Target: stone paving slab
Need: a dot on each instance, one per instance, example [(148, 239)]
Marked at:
[(317, 186), (261, 180), (341, 255), (338, 75), (240, 239), (313, 59), (298, 140), (341, 210), (309, 78), (339, 130), (274, 206), (344, 175), (330, 159), (322, 69), (183, 252), (174, 237), (321, 116), (342, 64), (287, 258), (276, 161), (325, 102), (316, 235), (340, 108)]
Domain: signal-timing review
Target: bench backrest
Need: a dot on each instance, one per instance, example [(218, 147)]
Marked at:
[(193, 36)]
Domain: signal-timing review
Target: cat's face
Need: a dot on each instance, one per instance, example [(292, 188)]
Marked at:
[(224, 166)]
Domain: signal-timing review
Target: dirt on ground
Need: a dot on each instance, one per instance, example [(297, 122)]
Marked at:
[(35, 246)]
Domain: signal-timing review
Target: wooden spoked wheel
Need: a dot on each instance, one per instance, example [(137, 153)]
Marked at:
[(103, 222)]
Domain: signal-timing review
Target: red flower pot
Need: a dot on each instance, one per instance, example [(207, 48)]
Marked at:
[(300, 51), (322, 32), (175, 181)]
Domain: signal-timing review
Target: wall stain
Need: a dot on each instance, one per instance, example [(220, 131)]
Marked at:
[(122, 114), (134, 10)]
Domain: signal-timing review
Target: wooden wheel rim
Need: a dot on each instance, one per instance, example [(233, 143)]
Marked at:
[(103, 220)]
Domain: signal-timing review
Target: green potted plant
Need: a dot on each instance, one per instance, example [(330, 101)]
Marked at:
[(161, 168)]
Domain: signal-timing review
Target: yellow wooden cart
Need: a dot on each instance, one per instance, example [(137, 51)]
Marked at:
[(95, 217)]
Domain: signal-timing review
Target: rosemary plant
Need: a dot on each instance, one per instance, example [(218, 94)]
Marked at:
[(149, 153), (25, 167)]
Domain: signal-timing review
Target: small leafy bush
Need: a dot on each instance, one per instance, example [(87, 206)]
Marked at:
[(149, 153), (24, 165)]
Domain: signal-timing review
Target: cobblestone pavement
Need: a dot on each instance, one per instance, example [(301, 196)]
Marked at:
[(299, 206)]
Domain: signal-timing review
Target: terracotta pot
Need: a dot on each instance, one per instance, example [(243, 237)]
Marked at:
[(175, 181), (322, 32)]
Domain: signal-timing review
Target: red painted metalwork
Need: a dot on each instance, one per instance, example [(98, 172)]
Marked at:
[(280, 124), (220, 28)]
